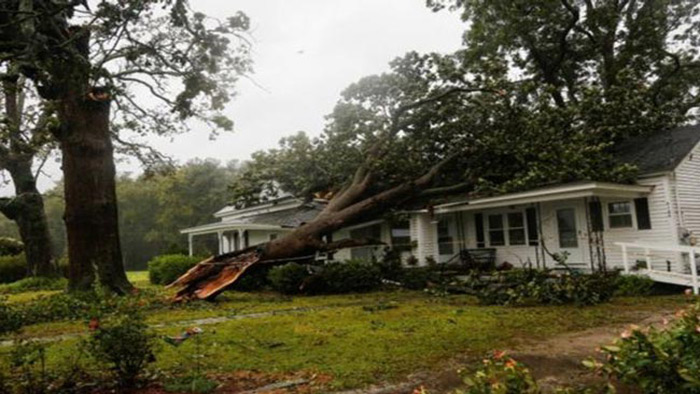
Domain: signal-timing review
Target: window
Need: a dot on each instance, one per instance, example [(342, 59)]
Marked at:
[(496, 232), (401, 236), (566, 224), (368, 232), (445, 240), (516, 228), (620, 214)]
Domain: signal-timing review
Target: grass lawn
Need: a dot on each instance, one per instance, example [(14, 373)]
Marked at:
[(357, 339)]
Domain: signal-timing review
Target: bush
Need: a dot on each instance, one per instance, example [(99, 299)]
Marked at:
[(633, 285), (347, 277), (12, 268), (418, 278), (10, 318), (501, 374), (125, 343), (10, 246), (536, 287), (165, 269), (34, 284), (288, 278), (657, 361)]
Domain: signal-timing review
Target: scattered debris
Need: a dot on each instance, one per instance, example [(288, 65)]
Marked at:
[(188, 333)]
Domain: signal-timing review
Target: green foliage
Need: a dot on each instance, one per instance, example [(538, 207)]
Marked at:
[(10, 246), (165, 269), (501, 374), (33, 284), (657, 361), (10, 319), (289, 278), (537, 287), (418, 278), (191, 384), (28, 363), (123, 342), (12, 268), (351, 276), (633, 285)]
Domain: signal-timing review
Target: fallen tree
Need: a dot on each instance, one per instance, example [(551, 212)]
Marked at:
[(358, 200)]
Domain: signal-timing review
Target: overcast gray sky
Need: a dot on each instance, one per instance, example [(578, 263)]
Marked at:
[(305, 52)]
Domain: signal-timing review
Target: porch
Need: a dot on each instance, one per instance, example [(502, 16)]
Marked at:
[(530, 228), (232, 236)]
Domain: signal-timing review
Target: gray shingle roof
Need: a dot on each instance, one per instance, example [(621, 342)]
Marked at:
[(659, 152), (295, 217)]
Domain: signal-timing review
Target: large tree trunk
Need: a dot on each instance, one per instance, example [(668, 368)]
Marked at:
[(91, 204), (27, 210)]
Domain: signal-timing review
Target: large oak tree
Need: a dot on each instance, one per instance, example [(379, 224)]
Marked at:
[(87, 60)]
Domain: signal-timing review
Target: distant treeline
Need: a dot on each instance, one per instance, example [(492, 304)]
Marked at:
[(153, 207)]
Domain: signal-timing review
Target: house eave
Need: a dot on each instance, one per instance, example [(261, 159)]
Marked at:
[(213, 228), (563, 192)]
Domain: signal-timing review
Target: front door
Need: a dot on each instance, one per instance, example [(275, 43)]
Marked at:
[(569, 232)]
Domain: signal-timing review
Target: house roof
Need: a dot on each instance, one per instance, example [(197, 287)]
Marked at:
[(294, 217), (266, 220), (659, 152)]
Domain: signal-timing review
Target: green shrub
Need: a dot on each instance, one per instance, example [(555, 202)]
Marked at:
[(657, 361), (12, 268), (10, 318), (347, 277), (255, 278), (33, 284), (195, 384), (633, 285), (288, 278), (418, 278), (10, 246), (165, 269), (125, 344), (544, 287)]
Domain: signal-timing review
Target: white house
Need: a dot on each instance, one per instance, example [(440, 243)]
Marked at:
[(585, 219)]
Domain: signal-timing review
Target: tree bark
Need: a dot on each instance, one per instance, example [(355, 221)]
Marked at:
[(90, 192), (27, 210)]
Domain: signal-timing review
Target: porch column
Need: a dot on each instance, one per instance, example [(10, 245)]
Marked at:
[(240, 244), (226, 245), (189, 244), (220, 237), (426, 237)]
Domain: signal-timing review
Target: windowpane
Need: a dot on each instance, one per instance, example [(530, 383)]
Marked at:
[(495, 222), (368, 232), (516, 236), (445, 240), (566, 224), (515, 220), (401, 236), (620, 207), (620, 214), (620, 221), (496, 233)]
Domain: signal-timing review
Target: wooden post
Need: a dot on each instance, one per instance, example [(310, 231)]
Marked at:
[(694, 271), (189, 244), (625, 263)]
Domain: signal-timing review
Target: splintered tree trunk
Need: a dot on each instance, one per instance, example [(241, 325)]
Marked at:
[(91, 203), (27, 210)]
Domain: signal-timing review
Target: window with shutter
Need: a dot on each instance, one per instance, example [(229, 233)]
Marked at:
[(479, 222)]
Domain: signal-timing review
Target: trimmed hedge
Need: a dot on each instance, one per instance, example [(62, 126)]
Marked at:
[(12, 268), (164, 269), (352, 276)]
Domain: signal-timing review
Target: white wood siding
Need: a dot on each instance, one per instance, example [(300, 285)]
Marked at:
[(688, 191)]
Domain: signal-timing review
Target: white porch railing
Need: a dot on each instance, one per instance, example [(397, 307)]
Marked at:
[(664, 276)]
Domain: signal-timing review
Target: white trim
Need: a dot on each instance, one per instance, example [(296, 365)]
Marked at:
[(226, 226), (563, 192)]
